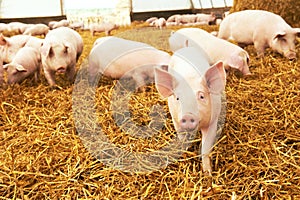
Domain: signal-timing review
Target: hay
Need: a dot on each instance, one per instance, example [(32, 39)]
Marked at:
[(288, 10), (256, 157)]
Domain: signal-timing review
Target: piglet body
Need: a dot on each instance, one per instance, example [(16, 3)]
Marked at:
[(36, 29), (116, 58), (215, 48), (26, 62), (103, 27)]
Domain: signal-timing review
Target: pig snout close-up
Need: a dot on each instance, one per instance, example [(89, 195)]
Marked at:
[(194, 90), (26, 63), (264, 29), (60, 51)]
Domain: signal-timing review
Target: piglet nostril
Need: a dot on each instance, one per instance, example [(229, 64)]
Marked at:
[(188, 122)]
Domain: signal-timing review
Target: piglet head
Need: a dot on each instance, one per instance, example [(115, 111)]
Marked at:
[(284, 43), (191, 107), (15, 72), (239, 60)]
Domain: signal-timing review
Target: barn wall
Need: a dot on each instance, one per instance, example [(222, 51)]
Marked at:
[(30, 8)]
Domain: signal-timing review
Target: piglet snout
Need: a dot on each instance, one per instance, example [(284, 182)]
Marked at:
[(61, 70), (291, 55), (189, 122)]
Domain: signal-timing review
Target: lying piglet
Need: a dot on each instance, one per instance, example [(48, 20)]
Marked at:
[(216, 48), (60, 51), (36, 29), (116, 58), (261, 28), (194, 90), (27, 62)]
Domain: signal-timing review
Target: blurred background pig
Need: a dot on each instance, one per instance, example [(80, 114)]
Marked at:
[(26, 63), (102, 27), (36, 29), (261, 28), (194, 90), (60, 51)]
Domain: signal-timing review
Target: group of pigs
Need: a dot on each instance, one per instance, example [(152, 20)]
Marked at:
[(25, 55), (193, 78), (184, 19)]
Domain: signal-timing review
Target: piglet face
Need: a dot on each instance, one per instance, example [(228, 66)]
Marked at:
[(189, 99), (58, 57), (284, 43), (15, 73)]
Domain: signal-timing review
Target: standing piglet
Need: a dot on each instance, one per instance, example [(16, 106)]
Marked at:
[(119, 58), (27, 62), (194, 90), (103, 27), (60, 51), (215, 48), (261, 28)]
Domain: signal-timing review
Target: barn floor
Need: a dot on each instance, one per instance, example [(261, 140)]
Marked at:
[(44, 154)]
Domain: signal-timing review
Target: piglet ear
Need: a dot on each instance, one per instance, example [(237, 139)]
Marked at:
[(279, 35), (216, 78), (2, 40), (45, 49), (164, 82), (20, 68), (5, 66), (297, 31)]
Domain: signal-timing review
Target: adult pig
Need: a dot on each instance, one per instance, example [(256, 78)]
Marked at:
[(26, 63), (120, 58), (215, 48), (60, 51), (261, 28), (194, 90)]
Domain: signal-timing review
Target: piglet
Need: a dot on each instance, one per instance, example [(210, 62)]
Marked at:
[(215, 48), (8, 49), (36, 29), (60, 51), (103, 27), (194, 90), (120, 58), (26, 63), (261, 28)]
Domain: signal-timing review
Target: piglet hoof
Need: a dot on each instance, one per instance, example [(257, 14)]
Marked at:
[(55, 87)]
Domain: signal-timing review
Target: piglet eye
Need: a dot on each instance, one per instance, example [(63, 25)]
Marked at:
[(177, 98), (201, 96), (66, 50)]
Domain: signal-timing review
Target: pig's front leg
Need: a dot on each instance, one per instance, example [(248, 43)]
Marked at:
[(209, 134), (260, 48), (50, 76)]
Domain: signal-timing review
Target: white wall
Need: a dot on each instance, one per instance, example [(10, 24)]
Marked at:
[(29, 8)]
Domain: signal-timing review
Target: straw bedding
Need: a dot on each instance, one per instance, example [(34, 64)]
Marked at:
[(256, 157)]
